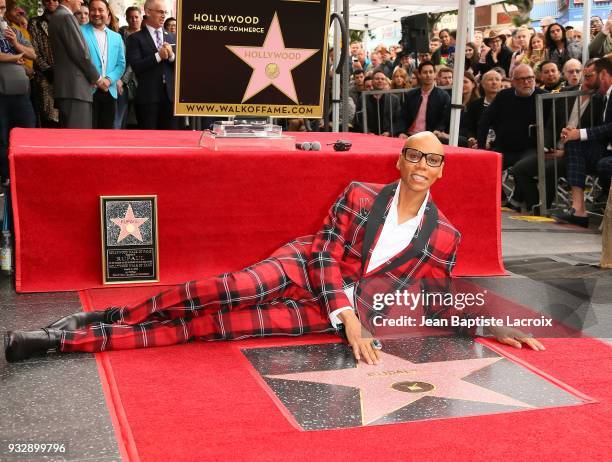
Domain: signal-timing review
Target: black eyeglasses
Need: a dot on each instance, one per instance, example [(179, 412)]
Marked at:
[(415, 156)]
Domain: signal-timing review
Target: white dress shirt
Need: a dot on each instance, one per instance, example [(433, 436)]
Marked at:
[(153, 33), (393, 239)]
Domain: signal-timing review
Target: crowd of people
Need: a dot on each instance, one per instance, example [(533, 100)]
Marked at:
[(74, 67), (504, 71)]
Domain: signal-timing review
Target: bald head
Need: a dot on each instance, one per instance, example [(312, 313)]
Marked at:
[(425, 142)]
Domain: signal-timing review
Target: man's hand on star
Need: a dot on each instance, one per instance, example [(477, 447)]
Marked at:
[(570, 134), (359, 338), (515, 338)]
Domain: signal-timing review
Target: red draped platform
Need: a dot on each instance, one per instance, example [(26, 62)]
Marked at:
[(218, 211)]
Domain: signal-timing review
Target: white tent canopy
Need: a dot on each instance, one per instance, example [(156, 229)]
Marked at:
[(370, 14)]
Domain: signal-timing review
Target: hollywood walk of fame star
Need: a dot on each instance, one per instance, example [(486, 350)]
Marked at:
[(129, 224), (272, 63), (395, 383)]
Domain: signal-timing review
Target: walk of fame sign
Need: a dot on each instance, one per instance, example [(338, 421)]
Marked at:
[(422, 378), (129, 239), (245, 58)]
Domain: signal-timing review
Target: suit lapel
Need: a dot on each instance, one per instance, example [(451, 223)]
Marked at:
[(148, 39), (91, 37), (376, 221)]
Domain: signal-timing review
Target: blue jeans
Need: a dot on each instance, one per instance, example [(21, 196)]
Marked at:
[(15, 111)]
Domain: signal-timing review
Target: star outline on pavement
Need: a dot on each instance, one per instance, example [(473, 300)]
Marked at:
[(371, 402), (259, 79)]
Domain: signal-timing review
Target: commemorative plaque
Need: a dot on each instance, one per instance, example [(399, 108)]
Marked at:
[(244, 58), (129, 239)]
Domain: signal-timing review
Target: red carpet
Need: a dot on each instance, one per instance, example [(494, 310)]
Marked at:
[(201, 402), (218, 211)]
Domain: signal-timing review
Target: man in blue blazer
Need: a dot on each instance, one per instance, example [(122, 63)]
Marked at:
[(107, 54)]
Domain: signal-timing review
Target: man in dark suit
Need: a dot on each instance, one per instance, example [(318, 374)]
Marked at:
[(586, 146), (383, 111), (426, 107), (151, 54), (75, 74), (375, 239)]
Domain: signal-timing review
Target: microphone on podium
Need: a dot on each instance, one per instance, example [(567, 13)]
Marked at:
[(308, 146)]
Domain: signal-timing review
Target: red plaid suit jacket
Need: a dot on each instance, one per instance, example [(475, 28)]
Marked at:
[(332, 259)]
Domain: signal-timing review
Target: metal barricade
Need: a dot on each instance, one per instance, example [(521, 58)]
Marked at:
[(569, 100), (364, 109)]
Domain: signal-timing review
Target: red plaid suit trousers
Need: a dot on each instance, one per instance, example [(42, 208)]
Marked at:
[(257, 301)]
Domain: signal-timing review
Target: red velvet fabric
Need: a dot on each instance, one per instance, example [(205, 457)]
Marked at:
[(218, 211)]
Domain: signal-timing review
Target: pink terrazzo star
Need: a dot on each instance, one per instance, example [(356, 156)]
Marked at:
[(129, 224), (272, 63), (396, 382)]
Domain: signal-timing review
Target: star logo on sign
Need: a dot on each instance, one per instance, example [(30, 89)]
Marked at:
[(272, 63), (395, 383), (129, 224)]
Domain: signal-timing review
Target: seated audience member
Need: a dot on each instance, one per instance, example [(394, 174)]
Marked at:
[(567, 112), (601, 44), (559, 50), (426, 108), (497, 53), (357, 85), (375, 61), (536, 52), (444, 77), (46, 112), (434, 44), (471, 58), (550, 77), (15, 106), (545, 23), (107, 52), (405, 62), (585, 147), (386, 64), (82, 14), (400, 81), (506, 83), (444, 53), (470, 94), (512, 115), (383, 110), (422, 57), (491, 85), (519, 56), (170, 25)]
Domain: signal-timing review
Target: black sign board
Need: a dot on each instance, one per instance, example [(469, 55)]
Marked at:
[(252, 58)]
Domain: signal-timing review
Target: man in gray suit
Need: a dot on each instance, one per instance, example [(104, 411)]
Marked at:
[(75, 74)]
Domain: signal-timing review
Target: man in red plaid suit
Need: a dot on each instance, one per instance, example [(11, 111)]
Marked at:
[(373, 233)]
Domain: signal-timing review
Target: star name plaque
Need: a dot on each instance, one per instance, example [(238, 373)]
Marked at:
[(266, 58), (129, 239)]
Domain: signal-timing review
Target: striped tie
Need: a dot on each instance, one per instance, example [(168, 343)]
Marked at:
[(158, 38)]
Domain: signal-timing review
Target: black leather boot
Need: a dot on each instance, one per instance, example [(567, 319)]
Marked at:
[(20, 345), (78, 320)]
